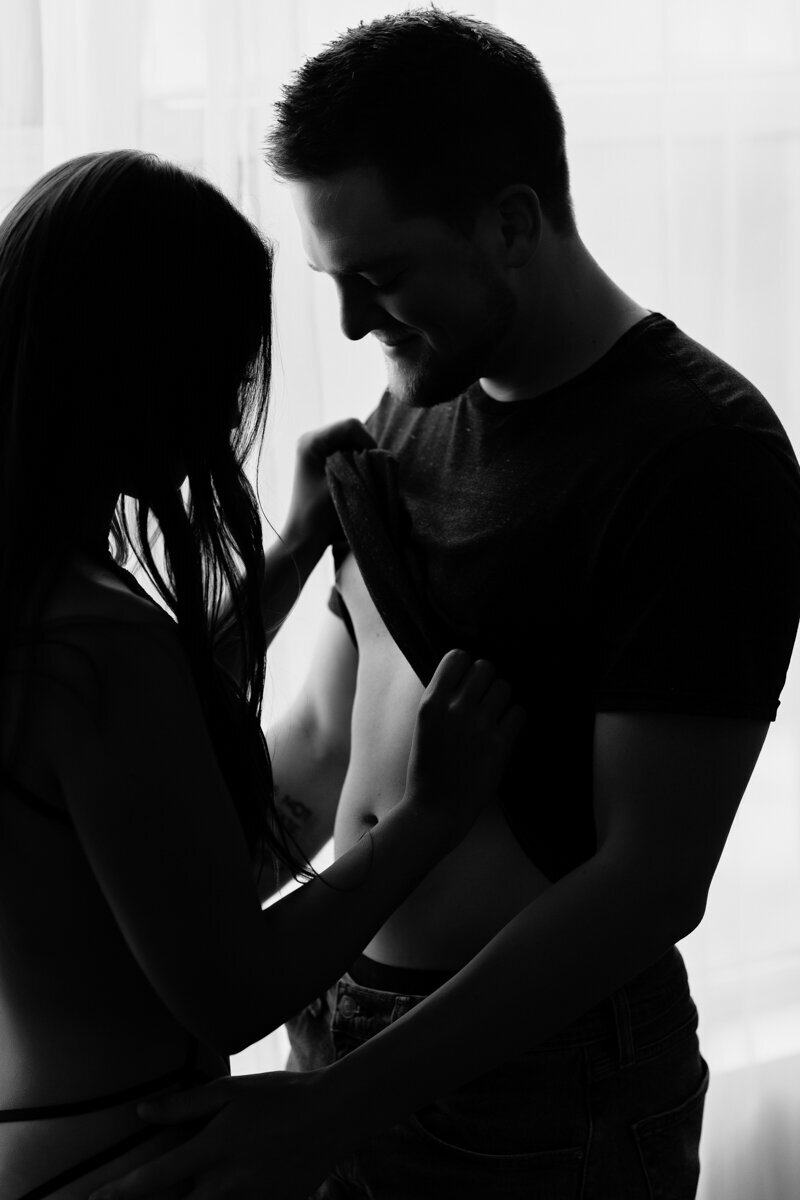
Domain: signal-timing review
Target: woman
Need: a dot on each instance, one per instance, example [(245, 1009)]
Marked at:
[(136, 788)]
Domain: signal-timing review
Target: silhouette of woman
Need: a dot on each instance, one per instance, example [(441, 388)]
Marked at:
[(136, 792)]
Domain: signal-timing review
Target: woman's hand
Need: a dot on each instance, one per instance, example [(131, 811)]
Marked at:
[(312, 517), (465, 731), (276, 1135)]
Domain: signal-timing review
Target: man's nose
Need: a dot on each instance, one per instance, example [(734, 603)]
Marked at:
[(358, 312)]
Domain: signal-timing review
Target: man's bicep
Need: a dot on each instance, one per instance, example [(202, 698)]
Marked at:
[(322, 708), (666, 788), (696, 596), (330, 685)]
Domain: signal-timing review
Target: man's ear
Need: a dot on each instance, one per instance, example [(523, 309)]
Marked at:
[(519, 215)]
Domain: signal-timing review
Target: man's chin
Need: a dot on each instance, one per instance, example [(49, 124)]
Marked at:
[(425, 385)]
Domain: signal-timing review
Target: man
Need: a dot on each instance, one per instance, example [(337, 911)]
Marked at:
[(568, 485)]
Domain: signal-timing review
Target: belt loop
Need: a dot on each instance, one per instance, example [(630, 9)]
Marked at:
[(622, 1021)]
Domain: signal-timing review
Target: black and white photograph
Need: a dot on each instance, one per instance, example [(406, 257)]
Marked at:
[(399, 590)]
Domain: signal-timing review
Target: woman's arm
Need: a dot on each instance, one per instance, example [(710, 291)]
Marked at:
[(287, 566), (310, 527), (159, 829)]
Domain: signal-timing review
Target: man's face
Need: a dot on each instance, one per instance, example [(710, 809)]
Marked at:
[(435, 300)]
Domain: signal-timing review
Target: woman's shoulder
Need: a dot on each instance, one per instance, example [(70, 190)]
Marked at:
[(89, 590), (87, 620), (105, 656), (90, 619)]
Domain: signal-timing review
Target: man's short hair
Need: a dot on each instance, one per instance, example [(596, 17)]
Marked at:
[(448, 108)]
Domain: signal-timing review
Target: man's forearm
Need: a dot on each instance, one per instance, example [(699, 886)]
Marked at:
[(583, 938)]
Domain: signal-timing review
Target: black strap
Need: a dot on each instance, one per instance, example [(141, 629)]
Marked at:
[(95, 1104), (189, 1074), (33, 801)]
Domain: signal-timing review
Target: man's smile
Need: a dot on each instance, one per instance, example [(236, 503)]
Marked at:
[(396, 343)]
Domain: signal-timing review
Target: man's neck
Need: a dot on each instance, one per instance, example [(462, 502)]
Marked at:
[(563, 328)]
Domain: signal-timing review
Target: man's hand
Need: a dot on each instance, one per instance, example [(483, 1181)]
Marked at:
[(312, 516), (268, 1135)]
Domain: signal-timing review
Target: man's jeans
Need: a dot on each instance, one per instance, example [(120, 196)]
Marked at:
[(610, 1108)]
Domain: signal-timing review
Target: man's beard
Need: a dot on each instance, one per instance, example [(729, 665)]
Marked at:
[(429, 378)]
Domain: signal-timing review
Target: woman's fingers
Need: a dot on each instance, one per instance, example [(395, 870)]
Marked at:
[(471, 681), (350, 434), (450, 672), (477, 679), (175, 1167), (491, 697), (179, 1164), (512, 724), (210, 1192), (475, 686), (183, 1106), (481, 684)]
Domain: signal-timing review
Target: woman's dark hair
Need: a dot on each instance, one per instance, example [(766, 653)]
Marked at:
[(449, 108), (135, 323)]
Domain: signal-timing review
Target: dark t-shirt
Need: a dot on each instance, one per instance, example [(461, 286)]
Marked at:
[(628, 541)]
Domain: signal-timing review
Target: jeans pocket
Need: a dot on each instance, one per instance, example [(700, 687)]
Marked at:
[(669, 1146), (359, 1013), (551, 1174), (522, 1129)]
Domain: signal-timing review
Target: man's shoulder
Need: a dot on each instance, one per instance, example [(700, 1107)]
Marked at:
[(719, 392), (676, 390)]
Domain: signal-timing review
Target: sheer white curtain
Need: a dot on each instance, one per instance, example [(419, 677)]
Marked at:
[(683, 127)]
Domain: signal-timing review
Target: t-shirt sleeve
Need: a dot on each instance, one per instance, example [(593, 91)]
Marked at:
[(696, 595)]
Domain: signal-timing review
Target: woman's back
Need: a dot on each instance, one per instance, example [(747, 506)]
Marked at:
[(79, 1020)]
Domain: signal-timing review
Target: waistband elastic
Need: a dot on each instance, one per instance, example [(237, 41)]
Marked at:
[(406, 981)]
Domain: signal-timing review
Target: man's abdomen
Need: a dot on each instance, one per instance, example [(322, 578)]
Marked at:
[(479, 886)]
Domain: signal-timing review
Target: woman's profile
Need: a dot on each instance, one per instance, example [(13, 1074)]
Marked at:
[(135, 784)]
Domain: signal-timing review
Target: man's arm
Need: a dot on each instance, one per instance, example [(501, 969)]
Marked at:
[(666, 790), (696, 597), (310, 747)]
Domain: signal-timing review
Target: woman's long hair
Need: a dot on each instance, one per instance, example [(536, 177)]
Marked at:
[(135, 332)]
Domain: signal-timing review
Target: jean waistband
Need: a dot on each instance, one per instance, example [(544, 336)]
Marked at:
[(638, 1009)]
